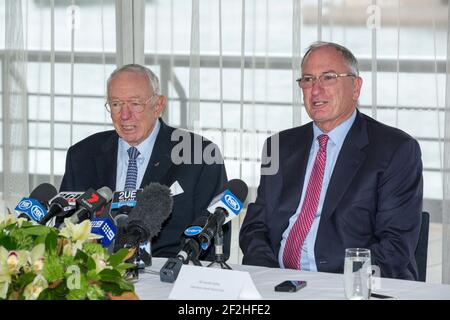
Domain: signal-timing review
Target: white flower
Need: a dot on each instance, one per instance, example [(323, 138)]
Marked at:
[(3, 289), (11, 219), (100, 262), (34, 289), (17, 260), (78, 232), (37, 258)]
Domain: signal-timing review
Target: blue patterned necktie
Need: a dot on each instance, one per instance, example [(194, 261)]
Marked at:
[(132, 172)]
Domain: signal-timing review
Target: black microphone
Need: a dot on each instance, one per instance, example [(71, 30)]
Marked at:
[(191, 248), (153, 207), (59, 206), (44, 192), (126, 198), (35, 206), (224, 207), (121, 221), (90, 202), (190, 252)]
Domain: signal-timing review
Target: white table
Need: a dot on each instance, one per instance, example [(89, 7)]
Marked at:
[(321, 285)]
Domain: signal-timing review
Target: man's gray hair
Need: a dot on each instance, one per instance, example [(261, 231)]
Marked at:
[(140, 69), (352, 63)]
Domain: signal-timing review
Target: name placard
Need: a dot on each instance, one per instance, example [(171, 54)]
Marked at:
[(202, 283)]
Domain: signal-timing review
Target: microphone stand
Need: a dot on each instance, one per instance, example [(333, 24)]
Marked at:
[(141, 259), (219, 258)]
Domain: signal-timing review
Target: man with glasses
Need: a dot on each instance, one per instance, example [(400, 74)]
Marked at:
[(139, 151), (344, 181)]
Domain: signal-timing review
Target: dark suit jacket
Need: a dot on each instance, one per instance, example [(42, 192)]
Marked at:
[(92, 162), (374, 200)]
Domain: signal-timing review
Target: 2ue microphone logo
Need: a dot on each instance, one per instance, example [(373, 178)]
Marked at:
[(94, 198), (232, 202)]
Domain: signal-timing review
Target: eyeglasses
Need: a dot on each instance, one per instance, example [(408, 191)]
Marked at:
[(326, 79), (135, 105)]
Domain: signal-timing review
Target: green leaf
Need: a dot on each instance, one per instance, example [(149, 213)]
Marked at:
[(92, 275), (51, 241), (91, 263), (58, 293), (124, 267), (118, 257), (36, 230), (113, 288), (109, 275), (25, 279), (125, 285), (8, 243), (80, 255)]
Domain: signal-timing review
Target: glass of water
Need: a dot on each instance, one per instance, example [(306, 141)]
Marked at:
[(357, 273)]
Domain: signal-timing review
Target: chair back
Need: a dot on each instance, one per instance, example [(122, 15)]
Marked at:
[(422, 247)]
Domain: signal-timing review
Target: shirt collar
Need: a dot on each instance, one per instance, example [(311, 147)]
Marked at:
[(145, 147), (338, 134)]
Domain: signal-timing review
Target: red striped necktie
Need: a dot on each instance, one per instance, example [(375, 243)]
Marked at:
[(301, 227)]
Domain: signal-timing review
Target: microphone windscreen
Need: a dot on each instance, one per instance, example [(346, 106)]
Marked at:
[(121, 220), (106, 193), (238, 188), (153, 207), (44, 192)]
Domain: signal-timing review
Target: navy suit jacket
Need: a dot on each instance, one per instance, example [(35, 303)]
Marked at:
[(374, 200), (92, 162)]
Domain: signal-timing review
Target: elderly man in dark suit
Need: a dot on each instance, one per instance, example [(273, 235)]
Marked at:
[(143, 149), (344, 180)]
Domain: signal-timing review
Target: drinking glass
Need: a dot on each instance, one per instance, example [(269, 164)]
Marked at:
[(357, 273)]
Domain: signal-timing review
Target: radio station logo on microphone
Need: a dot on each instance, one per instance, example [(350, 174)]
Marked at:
[(193, 231), (37, 212), (93, 199), (232, 202), (25, 205)]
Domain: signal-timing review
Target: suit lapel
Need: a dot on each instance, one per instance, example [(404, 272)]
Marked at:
[(294, 168), (160, 160), (348, 162), (106, 162)]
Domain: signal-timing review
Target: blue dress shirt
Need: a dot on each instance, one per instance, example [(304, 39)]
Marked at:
[(145, 149)]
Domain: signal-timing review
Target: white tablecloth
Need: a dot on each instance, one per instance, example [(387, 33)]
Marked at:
[(321, 285)]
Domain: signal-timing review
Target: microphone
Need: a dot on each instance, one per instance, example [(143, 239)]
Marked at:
[(189, 252), (224, 207), (44, 192), (70, 196), (59, 206), (153, 207), (34, 207), (105, 228), (126, 198), (90, 202)]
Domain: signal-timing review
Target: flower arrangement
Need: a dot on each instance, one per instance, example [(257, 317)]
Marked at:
[(44, 263)]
